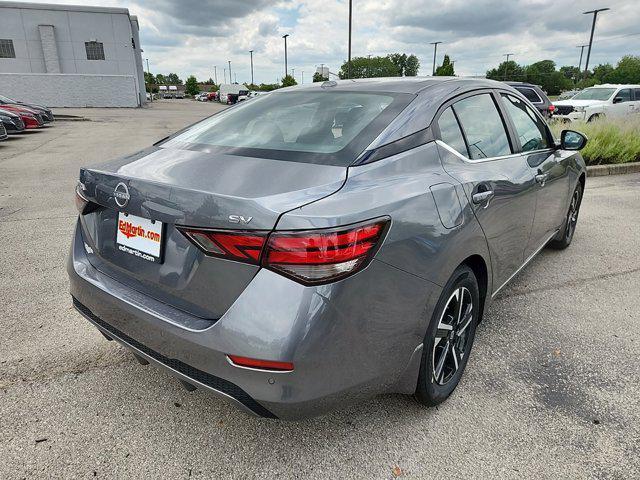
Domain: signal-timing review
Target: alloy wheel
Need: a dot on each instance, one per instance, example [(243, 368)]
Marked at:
[(572, 215), (450, 343)]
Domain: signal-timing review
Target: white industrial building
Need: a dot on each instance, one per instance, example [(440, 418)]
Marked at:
[(70, 55)]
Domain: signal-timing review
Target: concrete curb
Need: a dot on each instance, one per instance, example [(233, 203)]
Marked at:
[(70, 118), (613, 169)]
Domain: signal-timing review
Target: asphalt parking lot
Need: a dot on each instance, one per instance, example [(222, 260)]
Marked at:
[(552, 389)]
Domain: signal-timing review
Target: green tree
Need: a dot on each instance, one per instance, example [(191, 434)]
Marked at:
[(507, 71), (364, 67), (317, 77), (191, 86), (267, 87), (627, 71), (446, 69), (214, 87), (149, 78), (173, 79), (412, 66), (289, 81), (601, 72), (161, 79), (572, 73)]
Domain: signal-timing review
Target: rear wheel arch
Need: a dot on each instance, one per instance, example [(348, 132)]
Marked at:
[(479, 267)]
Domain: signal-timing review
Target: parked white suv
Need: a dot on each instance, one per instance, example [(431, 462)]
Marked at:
[(600, 101)]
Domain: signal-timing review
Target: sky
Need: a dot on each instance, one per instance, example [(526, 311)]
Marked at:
[(192, 36)]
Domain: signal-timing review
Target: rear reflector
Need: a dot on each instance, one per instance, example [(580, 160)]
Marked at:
[(260, 364), (310, 257)]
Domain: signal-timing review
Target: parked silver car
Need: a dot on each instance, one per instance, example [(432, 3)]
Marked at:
[(324, 243)]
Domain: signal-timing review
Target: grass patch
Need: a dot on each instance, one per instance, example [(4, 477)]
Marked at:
[(610, 141)]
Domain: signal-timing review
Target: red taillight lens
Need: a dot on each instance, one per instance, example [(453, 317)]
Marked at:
[(552, 108), (260, 364), (311, 257), (239, 246), (320, 256)]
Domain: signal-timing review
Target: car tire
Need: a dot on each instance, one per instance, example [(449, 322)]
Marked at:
[(564, 237), (449, 338), (594, 117)]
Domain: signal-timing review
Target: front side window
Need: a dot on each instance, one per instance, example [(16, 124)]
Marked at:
[(637, 94), (483, 127), (450, 132), (594, 94), (95, 50), (623, 95), (6, 48), (530, 94), (316, 127), (529, 127)]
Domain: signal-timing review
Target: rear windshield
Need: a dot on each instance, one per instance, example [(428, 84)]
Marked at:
[(327, 127)]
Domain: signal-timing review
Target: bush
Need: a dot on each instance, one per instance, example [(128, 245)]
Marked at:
[(610, 141)]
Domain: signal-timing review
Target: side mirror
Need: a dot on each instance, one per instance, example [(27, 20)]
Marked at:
[(617, 100), (571, 140)]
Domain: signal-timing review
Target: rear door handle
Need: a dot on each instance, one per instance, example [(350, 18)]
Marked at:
[(541, 178), (482, 196)]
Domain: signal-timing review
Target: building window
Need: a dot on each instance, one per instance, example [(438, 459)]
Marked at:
[(95, 50), (6, 49)]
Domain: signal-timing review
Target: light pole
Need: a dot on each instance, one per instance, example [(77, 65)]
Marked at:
[(251, 52), (293, 73), (506, 63), (224, 73), (302, 72), (349, 56), (215, 74), (285, 54), (150, 89), (435, 49), (593, 27), (230, 72)]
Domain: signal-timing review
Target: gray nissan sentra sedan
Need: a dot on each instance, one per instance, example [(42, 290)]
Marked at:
[(326, 243)]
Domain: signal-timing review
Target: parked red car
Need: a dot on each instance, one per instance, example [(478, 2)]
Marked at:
[(212, 96), (31, 118)]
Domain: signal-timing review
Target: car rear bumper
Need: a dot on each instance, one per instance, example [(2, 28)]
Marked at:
[(348, 341)]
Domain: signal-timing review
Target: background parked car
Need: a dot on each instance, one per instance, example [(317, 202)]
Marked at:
[(31, 118), (608, 100), (536, 96), (3, 132), (202, 96), (45, 112), (179, 94), (212, 96), (11, 121), (568, 94)]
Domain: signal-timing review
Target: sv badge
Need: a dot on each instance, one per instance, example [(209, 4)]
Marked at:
[(239, 219)]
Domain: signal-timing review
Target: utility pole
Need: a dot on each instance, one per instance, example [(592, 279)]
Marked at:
[(225, 75), (581, 47), (251, 52), (435, 50), (230, 72), (235, 77), (593, 27), (215, 74), (150, 89), (369, 66), (293, 73), (302, 72), (506, 64), (285, 54), (349, 57)]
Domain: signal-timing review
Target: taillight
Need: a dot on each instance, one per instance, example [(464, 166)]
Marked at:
[(319, 256), (81, 200), (552, 108), (239, 246), (311, 257)]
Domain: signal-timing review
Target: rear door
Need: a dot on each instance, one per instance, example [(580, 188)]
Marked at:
[(548, 166), (477, 151)]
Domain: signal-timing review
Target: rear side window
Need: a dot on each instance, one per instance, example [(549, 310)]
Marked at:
[(529, 127), (450, 132), (530, 94), (483, 127), (637, 93)]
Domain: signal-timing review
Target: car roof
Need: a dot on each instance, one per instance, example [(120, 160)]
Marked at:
[(412, 85), (615, 85)]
